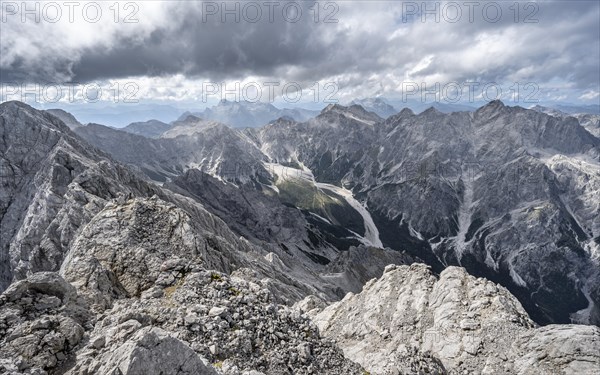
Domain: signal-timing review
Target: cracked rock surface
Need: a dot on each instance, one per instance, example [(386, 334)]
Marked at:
[(457, 323)]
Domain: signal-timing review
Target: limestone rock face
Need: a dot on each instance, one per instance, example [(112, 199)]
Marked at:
[(51, 184), (507, 193), (212, 148), (152, 351), (457, 322), (557, 349), (188, 321), (54, 184), (231, 323), (147, 289), (121, 251)]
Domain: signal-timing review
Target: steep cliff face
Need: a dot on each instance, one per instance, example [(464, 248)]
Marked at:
[(463, 323), (590, 121), (52, 183)]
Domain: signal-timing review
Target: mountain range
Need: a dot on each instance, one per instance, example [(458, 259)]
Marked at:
[(589, 120), (255, 250), (452, 189), (249, 114)]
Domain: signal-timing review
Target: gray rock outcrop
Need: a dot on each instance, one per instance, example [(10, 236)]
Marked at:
[(465, 324)]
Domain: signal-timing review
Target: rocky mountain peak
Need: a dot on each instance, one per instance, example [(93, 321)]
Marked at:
[(284, 120), (190, 119), (494, 107), (16, 113), (66, 117), (495, 104), (431, 110), (377, 105), (397, 118), (149, 129), (333, 108), (406, 112), (353, 112), (192, 125), (14, 104)]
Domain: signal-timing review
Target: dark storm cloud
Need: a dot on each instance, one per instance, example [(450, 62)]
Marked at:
[(217, 50), (191, 46)]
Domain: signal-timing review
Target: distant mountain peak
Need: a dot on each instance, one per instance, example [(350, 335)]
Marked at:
[(188, 120), (242, 114), (192, 118), (406, 112), (493, 107), (65, 117), (148, 129), (549, 111), (431, 110), (286, 118), (355, 112), (333, 108), (495, 104), (338, 108), (377, 105)]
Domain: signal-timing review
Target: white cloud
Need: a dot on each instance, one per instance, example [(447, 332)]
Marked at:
[(590, 95)]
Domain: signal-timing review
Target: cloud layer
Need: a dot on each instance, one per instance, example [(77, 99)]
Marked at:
[(373, 48)]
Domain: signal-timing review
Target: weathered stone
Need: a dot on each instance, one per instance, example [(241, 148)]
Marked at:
[(410, 314)]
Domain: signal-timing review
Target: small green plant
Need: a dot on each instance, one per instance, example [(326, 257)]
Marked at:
[(219, 365), (215, 277), (234, 291)]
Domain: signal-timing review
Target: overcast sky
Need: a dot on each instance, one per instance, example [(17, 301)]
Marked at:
[(172, 50)]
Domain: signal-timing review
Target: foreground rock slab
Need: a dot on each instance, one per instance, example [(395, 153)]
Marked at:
[(410, 321)]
